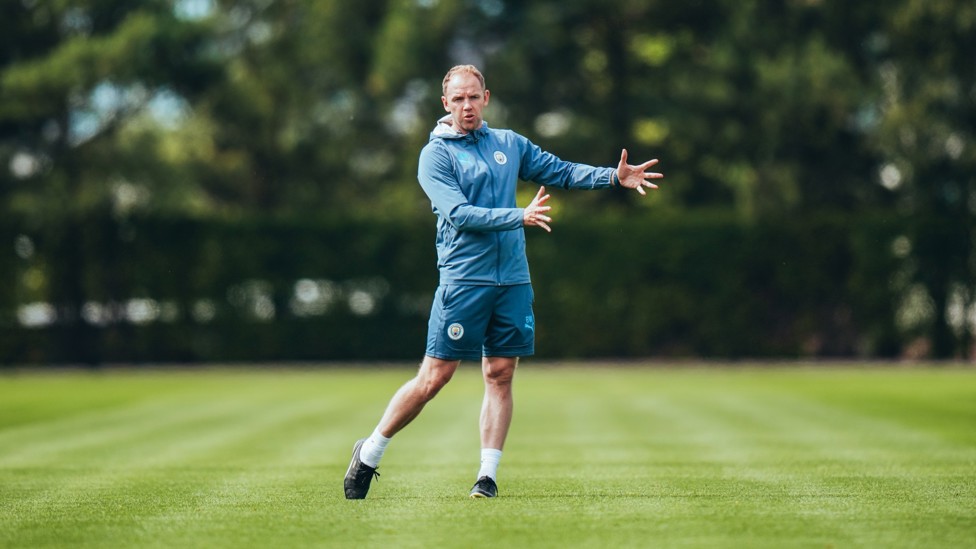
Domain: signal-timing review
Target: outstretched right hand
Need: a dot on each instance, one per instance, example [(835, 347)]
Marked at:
[(534, 214)]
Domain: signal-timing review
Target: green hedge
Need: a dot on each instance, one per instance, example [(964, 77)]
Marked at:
[(710, 286), (164, 290)]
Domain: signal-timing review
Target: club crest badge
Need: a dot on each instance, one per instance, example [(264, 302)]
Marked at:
[(455, 331), (500, 157)]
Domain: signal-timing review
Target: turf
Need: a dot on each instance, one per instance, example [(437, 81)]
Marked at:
[(598, 456)]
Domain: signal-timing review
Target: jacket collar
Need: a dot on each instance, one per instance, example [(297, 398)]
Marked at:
[(443, 129)]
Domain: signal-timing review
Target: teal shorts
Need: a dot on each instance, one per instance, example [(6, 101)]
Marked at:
[(469, 322)]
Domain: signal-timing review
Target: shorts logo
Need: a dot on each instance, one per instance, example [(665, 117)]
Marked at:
[(455, 331), (500, 157)]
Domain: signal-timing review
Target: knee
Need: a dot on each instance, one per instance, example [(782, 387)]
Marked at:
[(434, 383), (433, 378), (499, 371)]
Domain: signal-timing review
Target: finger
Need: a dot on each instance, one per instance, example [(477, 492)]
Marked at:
[(544, 226), (647, 164), (543, 200), (650, 185), (640, 189), (545, 218), (539, 194), (623, 156), (543, 208), (653, 175)]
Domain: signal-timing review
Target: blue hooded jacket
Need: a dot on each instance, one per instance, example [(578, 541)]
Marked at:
[(470, 180)]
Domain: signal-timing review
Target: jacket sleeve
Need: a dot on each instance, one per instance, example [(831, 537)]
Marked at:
[(437, 178), (546, 168)]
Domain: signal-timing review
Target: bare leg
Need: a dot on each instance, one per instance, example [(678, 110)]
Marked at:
[(411, 398), (496, 409)]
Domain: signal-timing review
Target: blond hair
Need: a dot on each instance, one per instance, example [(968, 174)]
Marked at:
[(462, 69)]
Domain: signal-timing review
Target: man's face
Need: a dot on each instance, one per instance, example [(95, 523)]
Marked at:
[(465, 100)]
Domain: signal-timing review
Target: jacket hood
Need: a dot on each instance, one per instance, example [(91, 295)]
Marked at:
[(444, 129)]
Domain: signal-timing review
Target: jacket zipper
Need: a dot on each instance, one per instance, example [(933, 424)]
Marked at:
[(494, 204)]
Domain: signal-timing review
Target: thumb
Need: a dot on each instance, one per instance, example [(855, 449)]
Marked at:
[(623, 156)]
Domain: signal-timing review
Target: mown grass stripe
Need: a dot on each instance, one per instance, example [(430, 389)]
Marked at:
[(597, 457), (223, 440)]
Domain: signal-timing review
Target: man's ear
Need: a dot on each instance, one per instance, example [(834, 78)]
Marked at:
[(487, 96), (444, 102)]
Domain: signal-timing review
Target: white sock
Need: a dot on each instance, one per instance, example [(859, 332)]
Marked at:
[(489, 463), (372, 450)]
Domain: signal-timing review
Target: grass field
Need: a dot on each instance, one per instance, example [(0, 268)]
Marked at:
[(598, 456)]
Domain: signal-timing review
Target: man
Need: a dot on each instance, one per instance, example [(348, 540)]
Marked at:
[(483, 306)]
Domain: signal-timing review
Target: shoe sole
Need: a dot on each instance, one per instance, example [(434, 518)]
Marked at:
[(479, 495)]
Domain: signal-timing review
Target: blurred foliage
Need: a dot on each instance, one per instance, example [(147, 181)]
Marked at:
[(299, 111)]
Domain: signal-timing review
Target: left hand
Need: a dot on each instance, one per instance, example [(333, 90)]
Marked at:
[(534, 215), (636, 177)]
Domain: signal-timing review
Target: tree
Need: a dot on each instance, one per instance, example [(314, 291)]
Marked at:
[(925, 132), (72, 75)]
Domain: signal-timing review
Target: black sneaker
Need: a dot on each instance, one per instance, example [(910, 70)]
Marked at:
[(359, 475), (484, 488)]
